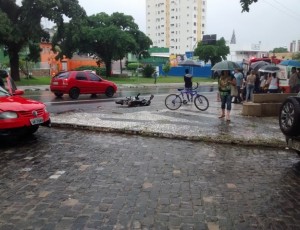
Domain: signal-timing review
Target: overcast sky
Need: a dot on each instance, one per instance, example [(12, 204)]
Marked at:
[(274, 23)]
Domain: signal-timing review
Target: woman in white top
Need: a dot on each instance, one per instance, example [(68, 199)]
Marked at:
[(273, 84)]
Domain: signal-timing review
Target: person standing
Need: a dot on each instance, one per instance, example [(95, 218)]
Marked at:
[(263, 83), (188, 83), (273, 85), (250, 82), (225, 82), (293, 80), (239, 81)]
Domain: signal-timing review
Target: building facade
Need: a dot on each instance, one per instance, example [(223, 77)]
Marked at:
[(176, 24)]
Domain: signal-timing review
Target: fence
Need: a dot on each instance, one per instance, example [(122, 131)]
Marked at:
[(203, 71)]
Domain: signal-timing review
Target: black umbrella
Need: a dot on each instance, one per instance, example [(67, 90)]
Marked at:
[(269, 69), (257, 65), (226, 65)]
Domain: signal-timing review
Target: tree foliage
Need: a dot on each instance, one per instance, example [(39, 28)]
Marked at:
[(212, 53), (20, 25), (280, 50), (246, 3), (166, 68), (106, 37), (296, 56)]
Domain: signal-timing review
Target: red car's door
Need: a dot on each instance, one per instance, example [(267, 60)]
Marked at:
[(96, 83), (82, 82)]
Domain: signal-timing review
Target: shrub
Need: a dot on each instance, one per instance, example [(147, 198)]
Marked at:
[(148, 70), (133, 66)]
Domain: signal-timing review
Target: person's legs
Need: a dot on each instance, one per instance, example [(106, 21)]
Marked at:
[(189, 94), (239, 99), (223, 102), (251, 88), (247, 93), (228, 107)]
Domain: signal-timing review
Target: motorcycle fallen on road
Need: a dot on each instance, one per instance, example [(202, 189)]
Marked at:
[(135, 101)]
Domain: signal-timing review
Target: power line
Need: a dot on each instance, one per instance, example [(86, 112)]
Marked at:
[(285, 11), (288, 9)]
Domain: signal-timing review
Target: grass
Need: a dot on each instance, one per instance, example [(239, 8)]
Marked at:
[(117, 80)]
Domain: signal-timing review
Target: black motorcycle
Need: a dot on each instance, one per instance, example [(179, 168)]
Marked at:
[(135, 101)]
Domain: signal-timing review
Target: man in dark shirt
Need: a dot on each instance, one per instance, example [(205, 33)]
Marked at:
[(188, 83)]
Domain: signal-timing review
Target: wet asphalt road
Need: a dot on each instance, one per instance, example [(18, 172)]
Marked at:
[(67, 179), (87, 103)]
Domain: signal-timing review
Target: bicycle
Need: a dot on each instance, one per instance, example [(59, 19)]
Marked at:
[(174, 101)]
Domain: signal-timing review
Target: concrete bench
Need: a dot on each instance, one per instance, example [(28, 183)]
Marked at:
[(265, 104)]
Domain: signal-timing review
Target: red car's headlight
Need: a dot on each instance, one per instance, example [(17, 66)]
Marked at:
[(8, 115)]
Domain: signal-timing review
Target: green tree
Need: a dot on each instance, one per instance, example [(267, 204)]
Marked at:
[(246, 3), (166, 68), (212, 53), (106, 37), (296, 56), (20, 25), (280, 50), (148, 70)]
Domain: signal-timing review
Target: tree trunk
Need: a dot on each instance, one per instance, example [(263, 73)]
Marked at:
[(121, 69), (14, 64), (108, 68)]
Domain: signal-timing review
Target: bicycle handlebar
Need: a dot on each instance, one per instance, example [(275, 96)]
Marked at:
[(196, 87)]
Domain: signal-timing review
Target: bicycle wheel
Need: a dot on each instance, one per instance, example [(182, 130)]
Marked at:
[(173, 101), (201, 102)]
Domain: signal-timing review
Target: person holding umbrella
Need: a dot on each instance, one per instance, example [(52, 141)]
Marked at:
[(188, 83), (225, 83)]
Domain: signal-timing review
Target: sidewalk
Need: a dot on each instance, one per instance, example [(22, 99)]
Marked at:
[(187, 123)]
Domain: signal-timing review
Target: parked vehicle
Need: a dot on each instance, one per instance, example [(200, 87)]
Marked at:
[(19, 115), (135, 101), (289, 121), (75, 83)]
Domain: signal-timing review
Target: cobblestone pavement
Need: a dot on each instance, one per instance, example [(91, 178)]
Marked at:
[(66, 179)]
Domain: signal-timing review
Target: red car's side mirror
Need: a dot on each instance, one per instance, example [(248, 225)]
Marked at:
[(18, 92)]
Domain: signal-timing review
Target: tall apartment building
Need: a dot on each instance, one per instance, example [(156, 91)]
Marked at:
[(176, 24)]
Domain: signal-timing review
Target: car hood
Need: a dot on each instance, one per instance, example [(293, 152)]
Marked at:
[(17, 103)]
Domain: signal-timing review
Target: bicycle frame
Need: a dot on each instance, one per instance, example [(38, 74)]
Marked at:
[(174, 101), (191, 92)]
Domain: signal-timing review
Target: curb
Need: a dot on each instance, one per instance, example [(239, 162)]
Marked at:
[(221, 139)]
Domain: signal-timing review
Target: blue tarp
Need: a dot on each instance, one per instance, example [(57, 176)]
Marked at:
[(179, 71)]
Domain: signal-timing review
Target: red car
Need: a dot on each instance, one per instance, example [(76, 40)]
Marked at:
[(19, 115), (75, 83)]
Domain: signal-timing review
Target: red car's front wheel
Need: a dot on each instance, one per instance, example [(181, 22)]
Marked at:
[(110, 92)]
